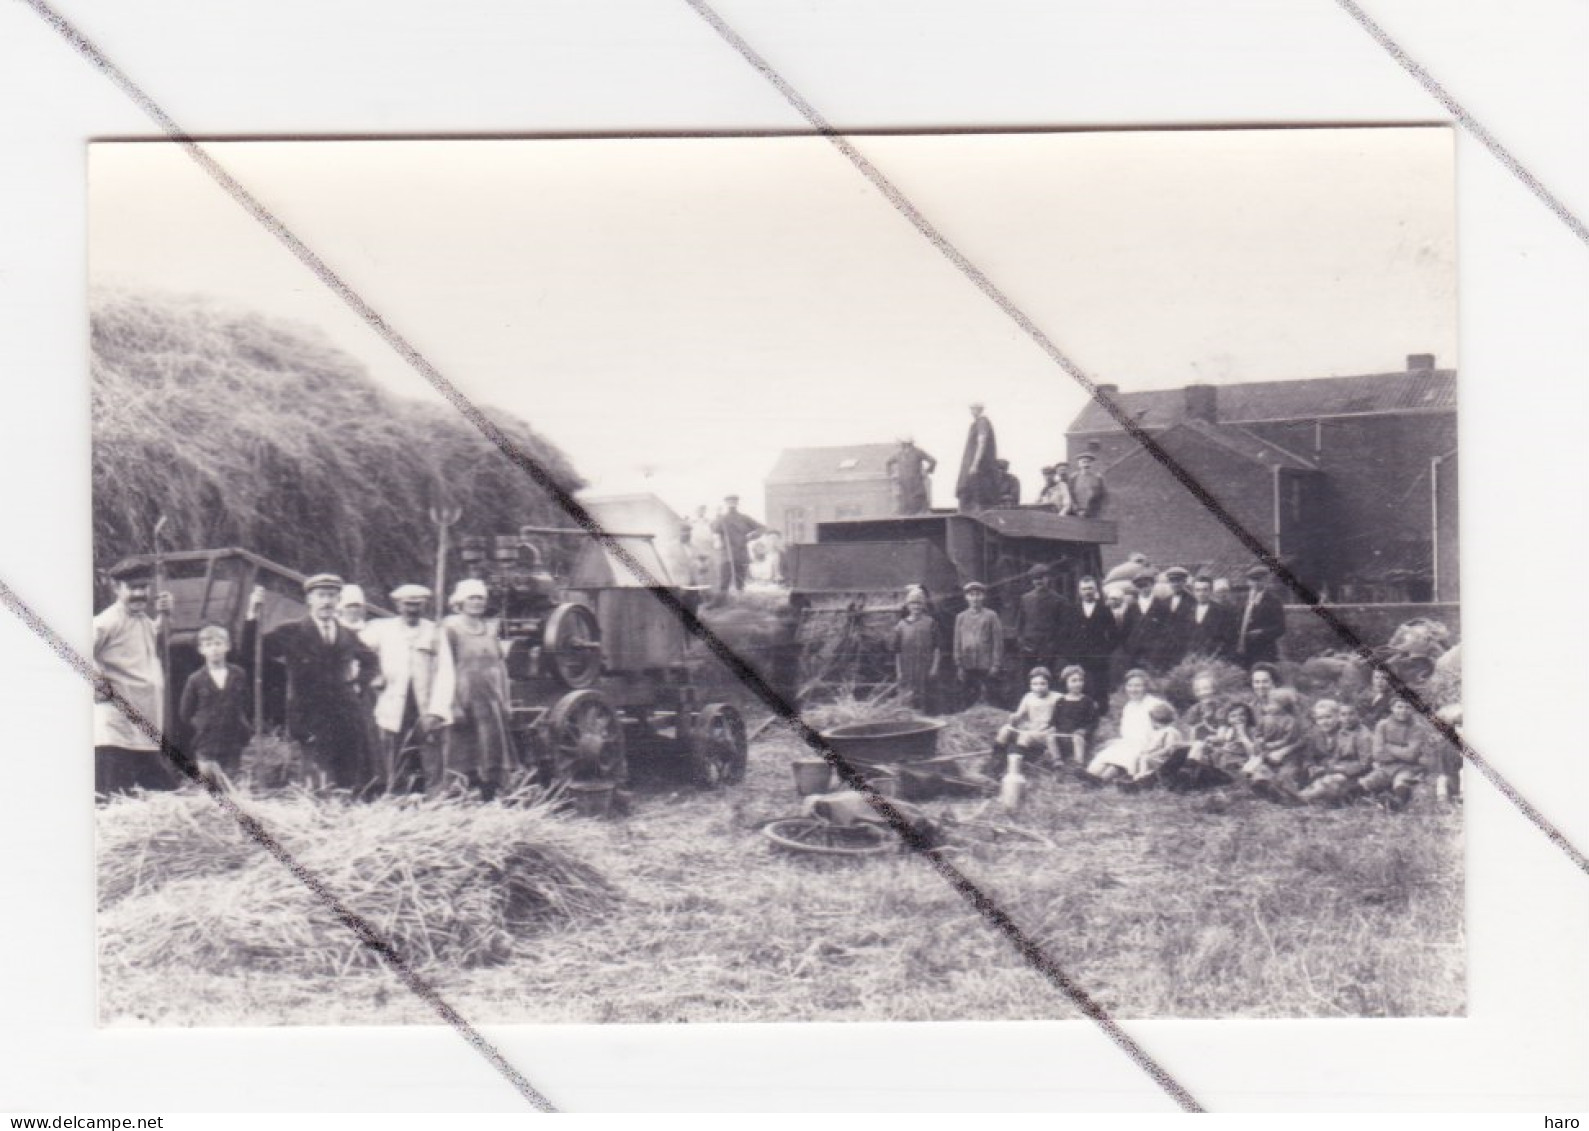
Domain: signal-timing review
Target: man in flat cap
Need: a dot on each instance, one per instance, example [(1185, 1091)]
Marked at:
[(1141, 625), (1043, 624), (978, 646), (415, 684), (908, 471), (1175, 621), (323, 662), (127, 658), (1262, 622), (978, 485), (1087, 491), (736, 530)]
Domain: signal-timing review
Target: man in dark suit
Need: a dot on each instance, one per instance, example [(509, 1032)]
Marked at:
[(1041, 618), (1094, 637), (1140, 628), (1169, 644), (1213, 629), (1261, 622), (323, 662)]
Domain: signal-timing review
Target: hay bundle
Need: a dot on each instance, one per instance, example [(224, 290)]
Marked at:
[(147, 842), (968, 732), (444, 882), (846, 707), (246, 431), (972, 730)]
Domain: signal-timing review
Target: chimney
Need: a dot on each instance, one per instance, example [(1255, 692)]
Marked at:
[(1420, 362), (1202, 403)]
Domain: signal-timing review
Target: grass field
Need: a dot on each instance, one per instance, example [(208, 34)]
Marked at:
[(1159, 905)]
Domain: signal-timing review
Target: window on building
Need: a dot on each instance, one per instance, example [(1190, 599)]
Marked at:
[(794, 524)]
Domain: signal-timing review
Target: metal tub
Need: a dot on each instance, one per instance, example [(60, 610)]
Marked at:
[(875, 744)]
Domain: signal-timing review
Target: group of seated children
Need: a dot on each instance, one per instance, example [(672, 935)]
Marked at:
[(1373, 747)]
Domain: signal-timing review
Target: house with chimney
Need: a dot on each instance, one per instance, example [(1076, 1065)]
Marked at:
[(1351, 481), (811, 485)]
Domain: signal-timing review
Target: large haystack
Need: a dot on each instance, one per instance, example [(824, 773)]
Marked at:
[(444, 882), (248, 431)]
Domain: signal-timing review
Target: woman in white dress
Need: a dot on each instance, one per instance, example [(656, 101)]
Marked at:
[(1123, 757)]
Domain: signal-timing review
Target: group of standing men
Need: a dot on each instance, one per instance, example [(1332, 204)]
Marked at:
[(1165, 619), (985, 479), (352, 690)]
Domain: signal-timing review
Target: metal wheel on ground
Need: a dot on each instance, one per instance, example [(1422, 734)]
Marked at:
[(585, 739), (817, 837), (718, 747)]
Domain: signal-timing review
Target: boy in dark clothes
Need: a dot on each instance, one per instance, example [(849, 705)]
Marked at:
[(1399, 755), (215, 704)]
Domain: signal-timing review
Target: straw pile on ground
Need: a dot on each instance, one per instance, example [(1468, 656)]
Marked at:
[(247, 431), (444, 882)]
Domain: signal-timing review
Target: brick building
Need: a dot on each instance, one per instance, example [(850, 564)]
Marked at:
[(812, 485), (1350, 480)]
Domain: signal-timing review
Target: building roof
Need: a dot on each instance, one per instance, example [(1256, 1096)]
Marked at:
[(1306, 399), (850, 462)]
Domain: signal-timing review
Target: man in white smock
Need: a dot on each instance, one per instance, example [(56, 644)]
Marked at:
[(127, 658), (416, 682)]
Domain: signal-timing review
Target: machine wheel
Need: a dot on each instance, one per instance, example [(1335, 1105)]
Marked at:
[(585, 739), (817, 837), (572, 645), (718, 746)]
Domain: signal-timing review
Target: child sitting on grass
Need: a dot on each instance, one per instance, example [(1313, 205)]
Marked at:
[(1352, 727), (1121, 758), (1031, 727), (1205, 726), (1159, 753), (1229, 748), (1163, 756), (1075, 716), (1277, 769), (1340, 757), (1399, 755), (215, 704)]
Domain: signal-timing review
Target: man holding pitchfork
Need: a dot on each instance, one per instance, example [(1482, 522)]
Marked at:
[(127, 657)]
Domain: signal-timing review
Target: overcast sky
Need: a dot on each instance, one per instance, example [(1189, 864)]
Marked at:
[(674, 312)]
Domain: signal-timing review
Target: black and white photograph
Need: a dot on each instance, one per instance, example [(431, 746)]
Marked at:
[(1154, 646)]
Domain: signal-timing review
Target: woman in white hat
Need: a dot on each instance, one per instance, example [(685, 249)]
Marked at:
[(478, 748)]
